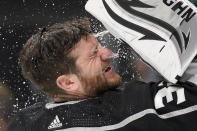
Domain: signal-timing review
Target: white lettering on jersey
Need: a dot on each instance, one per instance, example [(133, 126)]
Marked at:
[(167, 92)]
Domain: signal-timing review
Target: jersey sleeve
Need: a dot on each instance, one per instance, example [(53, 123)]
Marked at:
[(163, 97), (179, 98)]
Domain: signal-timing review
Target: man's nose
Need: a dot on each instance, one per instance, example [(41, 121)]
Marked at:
[(106, 54)]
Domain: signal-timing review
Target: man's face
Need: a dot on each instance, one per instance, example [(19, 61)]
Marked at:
[(93, 61)]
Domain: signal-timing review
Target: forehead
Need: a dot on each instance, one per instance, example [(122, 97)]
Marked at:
[(84, 46)]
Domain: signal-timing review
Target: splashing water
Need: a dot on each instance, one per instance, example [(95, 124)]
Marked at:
[(114, 55), (101, 34)]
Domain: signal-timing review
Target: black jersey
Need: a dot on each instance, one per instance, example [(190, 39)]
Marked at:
[(136, 106)]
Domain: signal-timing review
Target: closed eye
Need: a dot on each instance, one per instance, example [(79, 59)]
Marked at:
[(94, 52)]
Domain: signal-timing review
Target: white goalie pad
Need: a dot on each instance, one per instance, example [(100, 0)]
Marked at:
[(162, 32)]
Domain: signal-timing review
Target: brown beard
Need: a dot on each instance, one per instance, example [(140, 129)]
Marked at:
[(96, 85)]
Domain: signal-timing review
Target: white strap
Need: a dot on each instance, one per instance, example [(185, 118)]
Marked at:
[(191, 73)]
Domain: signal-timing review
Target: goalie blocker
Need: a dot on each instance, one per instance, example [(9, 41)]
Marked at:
[(162, 32)]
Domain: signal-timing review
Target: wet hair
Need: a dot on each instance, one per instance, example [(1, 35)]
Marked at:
[(46, 55)]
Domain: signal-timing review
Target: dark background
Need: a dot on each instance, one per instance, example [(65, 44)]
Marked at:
[(19, 19)]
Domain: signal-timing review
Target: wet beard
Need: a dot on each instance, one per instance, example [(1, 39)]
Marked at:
[(97, 85)]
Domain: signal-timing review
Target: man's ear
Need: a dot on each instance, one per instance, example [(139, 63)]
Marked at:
[(68, 83)]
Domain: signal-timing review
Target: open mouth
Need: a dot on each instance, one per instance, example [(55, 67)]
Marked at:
[(107, 69)]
